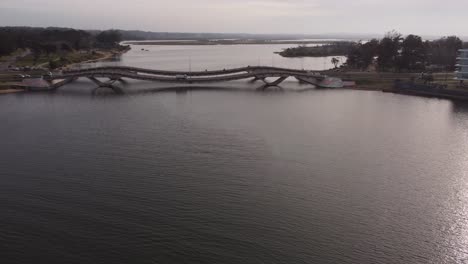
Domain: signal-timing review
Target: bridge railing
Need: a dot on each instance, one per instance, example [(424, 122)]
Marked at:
[(195, 73), (112, 73)]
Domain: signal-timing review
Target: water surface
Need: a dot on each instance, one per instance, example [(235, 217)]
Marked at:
[(231, 175)]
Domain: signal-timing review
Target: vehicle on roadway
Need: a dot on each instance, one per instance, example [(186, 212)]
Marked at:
[(181, 77)]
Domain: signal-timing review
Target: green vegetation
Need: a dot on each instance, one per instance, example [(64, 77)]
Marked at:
[(57, 60), (397, 53), (56, 47), (333, 49), (391, 53), (108, 39), (335, 62)]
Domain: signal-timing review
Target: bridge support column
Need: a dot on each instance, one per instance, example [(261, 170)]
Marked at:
[(50, 82), (118, 79), (55, 86), (274, 83), (312, 81), (107, 84), (258, 78)]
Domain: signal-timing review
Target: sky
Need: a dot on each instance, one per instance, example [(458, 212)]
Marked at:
[(423, 17)]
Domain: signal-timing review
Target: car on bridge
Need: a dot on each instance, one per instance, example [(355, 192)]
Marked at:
[(313, 73), (182, 77), (22, 76)]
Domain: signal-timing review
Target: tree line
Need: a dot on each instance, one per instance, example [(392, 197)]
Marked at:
[(411, 53), (50, 40), (340, 48)]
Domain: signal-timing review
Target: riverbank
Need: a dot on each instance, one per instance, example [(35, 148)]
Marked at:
[(10, 91), (61, 60), (326, 50), (10, 79), (444, 86), (9, 87), (379, 81), (454, 94), (102, 56)]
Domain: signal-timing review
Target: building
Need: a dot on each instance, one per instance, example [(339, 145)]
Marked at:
[(462, 65)]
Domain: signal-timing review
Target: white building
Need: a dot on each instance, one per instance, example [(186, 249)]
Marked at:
[(462, 65)]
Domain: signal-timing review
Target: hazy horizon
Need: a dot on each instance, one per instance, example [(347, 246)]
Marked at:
[(432, 18)]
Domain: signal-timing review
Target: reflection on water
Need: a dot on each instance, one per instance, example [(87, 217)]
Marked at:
[(225, 174), (459, 107)]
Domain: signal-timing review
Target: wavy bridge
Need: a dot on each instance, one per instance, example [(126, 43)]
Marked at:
[(111, 75)]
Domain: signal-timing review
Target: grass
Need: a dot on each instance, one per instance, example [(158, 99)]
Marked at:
[(30, 61), (385, 80), (59, 60), (14, 54)]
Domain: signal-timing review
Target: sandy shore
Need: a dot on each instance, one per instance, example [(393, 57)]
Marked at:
[(7, 87), (105, 56), (9, 91)]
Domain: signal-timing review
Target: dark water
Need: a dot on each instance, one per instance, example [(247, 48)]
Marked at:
[(232, 176)]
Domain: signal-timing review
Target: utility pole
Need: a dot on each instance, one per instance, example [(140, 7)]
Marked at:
[(190, 64)]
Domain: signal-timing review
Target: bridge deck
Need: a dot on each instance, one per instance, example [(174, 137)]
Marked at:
[(118, 72), (190, 73)]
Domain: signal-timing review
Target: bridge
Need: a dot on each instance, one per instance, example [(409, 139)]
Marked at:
[(114, 74)]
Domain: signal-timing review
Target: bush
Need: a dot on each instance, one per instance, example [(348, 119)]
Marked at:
[(53, 64)]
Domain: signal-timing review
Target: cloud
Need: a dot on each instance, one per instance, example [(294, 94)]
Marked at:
[(256, 16)]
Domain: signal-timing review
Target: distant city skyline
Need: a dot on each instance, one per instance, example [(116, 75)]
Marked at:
[(423, 17)]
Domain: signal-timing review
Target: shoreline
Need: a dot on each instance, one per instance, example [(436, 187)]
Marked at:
[(9, 88), (365, 81), (105, 56)]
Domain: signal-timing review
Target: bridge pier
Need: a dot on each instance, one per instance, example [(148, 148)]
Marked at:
[(55, 86), (256, 78), (274, 83), (108, 76), (312, 81), (107, 84), (118, 79)]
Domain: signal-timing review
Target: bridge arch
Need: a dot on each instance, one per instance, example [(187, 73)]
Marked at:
[(117, 73)]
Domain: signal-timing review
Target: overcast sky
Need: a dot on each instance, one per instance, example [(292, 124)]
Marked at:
[(425, 17)]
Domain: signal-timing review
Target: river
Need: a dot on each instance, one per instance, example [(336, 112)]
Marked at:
[(215, 175)]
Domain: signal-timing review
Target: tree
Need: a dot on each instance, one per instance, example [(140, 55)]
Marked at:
[(388, 50), (335, 62), (36, 51), (6, 44), (53, 64), (362, 55), (413, 53), (49, 48), (51, 40), (369, 52), (65, 47), (109, 37), (444, 51)]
